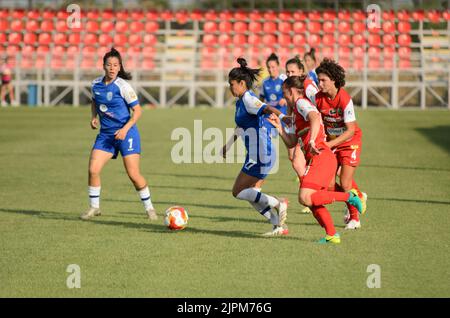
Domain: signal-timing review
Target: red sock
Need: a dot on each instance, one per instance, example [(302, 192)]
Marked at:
[(321, 212), (354, 214), (326, 197)]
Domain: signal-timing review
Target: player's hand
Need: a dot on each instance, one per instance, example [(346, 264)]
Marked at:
[(313, 149), (121, 134), (275, 121), (287, 120), (94, 123), (282, 102)]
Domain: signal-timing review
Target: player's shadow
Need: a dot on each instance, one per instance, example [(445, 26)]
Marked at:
[(411, 200), (404, 167), (179, 175), (191, 188), (439, 135)]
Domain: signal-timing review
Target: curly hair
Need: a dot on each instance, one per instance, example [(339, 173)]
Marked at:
[(333, 70)]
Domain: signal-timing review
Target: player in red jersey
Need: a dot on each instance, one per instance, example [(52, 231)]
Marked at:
[(343, 132), (322, 164)]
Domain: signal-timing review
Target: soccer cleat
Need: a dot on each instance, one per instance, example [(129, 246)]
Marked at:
[(306, 210), (355, 200), (282, 211), (346, 215), (353, 225), (151, 213), (335, 239), (89, 214), (364, 202), (277, 231)]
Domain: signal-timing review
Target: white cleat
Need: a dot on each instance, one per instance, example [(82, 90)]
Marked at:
[(353, 225), (282, 211), (346, 216), (89, 214), (306, 210), (277, 231), (151, 213)]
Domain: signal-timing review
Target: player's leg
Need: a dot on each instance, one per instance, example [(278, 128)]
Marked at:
[(346, 180), (299, 166), (3, 94), (97, 161), (11, 94)]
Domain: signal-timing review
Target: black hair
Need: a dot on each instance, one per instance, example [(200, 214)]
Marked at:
[(244, 73), (114, 53), (311, 54), (273, 57), (333, 70), (296, 60)]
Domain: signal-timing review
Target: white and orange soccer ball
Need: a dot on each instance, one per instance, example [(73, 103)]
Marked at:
[(176, 218)]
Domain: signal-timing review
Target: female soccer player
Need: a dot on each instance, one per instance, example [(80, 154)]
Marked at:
[(343, 132), (271, 87), (6, 87), (311, 64), (320, 173), (112, 100), (249, 118)]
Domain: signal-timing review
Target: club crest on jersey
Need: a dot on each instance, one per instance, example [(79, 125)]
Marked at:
[(103, 108), (109, 95), (273, 97), (278, 87), (332, 111)]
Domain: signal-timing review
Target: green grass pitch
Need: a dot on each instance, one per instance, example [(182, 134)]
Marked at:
[(44, 153)]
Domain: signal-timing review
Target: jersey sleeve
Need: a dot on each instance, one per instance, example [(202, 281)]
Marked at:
[(349, 113), (253, 105), (283, 77), (304, 107), (311, 92), (129, 95)]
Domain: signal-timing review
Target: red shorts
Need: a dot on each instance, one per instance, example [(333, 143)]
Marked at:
[(320, 171), (349, 154)]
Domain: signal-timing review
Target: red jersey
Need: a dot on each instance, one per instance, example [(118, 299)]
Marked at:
[(336, 113), (302, 126)]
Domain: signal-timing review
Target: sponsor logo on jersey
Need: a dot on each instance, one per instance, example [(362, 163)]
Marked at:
[(335, 131), (96, 93), (332, 111), (331, 119), (132, 95), (109, 96), (258, 104), (354, 146), (103, 107)]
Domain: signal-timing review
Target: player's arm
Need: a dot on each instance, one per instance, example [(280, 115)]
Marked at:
[(272, 110), (350, 124), (255, 107), (94, 120), (314, 120), (231, 141), (288, 135), (135, 115)]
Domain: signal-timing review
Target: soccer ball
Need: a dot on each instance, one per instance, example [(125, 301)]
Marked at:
[(176, 218)]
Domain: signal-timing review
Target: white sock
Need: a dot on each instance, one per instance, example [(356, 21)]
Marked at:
[(145, 198), (94, 197), (262, 203)]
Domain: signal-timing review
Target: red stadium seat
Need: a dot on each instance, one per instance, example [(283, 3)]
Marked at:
[(358, 40), (388, 27), (374, 52), (314, 15), (328, 26), (106, 15), (4, 14), (59, 38), (14, 38), (151, 15), (404, 52), (90, 39), (32, 26), (358, 52), (137, 15), (344, 27), (359, 27), (344, 15), (358, 15), (133, 50), (404, 27), (148, 51), (4, 25), (327, 51), (57, 60), (211, 15), (404, 64), (106, 26), (151, 27), (314, 40), (61, 26), (2, 40), (148, 64), (91, 26), (255, 15), (299, 16), (418, 15), (239, 39), (92, 15), (284, 39), (122, 15), (62, 14), (30, 38), (74, 38), (238, 51), (434, 16), (285, 15), (240, 15), (166, 15), (181, 16), (344, 52), (254, 27), (403, 15), (41, 56), (345, 63), (374, 39), (121, 26), (284, 27), (27, 56), (240, 27), (314, 27), (284, 53), (209, 39), (225, 39), (389, 40), (225, 27), (388, 16), (388, 63), (210, 27), (120, 39), (329, 15), (134, 39), (328, 40), (208, 52), (404, 39), (45, 39), (299, 40), (344, 39), (446, 15), (388, 52), (373, 63), (47, 26), (299, 27), (254, 39), (270, 15), (16, 26), (269, 39), (18, 14), (105, 39), (136, 27), (269, 27)]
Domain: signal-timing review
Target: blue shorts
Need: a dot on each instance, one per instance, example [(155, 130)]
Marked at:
[(130, 145), (269, 126), (260, 164)]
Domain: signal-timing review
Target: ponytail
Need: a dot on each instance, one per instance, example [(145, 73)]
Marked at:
[(244, 73)]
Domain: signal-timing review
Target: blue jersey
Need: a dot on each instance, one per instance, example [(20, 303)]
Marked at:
[(257, 140), (113, 102), (271, 90), (312, 75)]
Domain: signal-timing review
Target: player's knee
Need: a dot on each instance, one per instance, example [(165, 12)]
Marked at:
[(94, 172), (305, 199), (135, 176)]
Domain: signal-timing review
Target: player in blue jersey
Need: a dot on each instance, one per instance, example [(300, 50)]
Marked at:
[(112, 100), (260, 158), (271, 91), (311, 64)]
